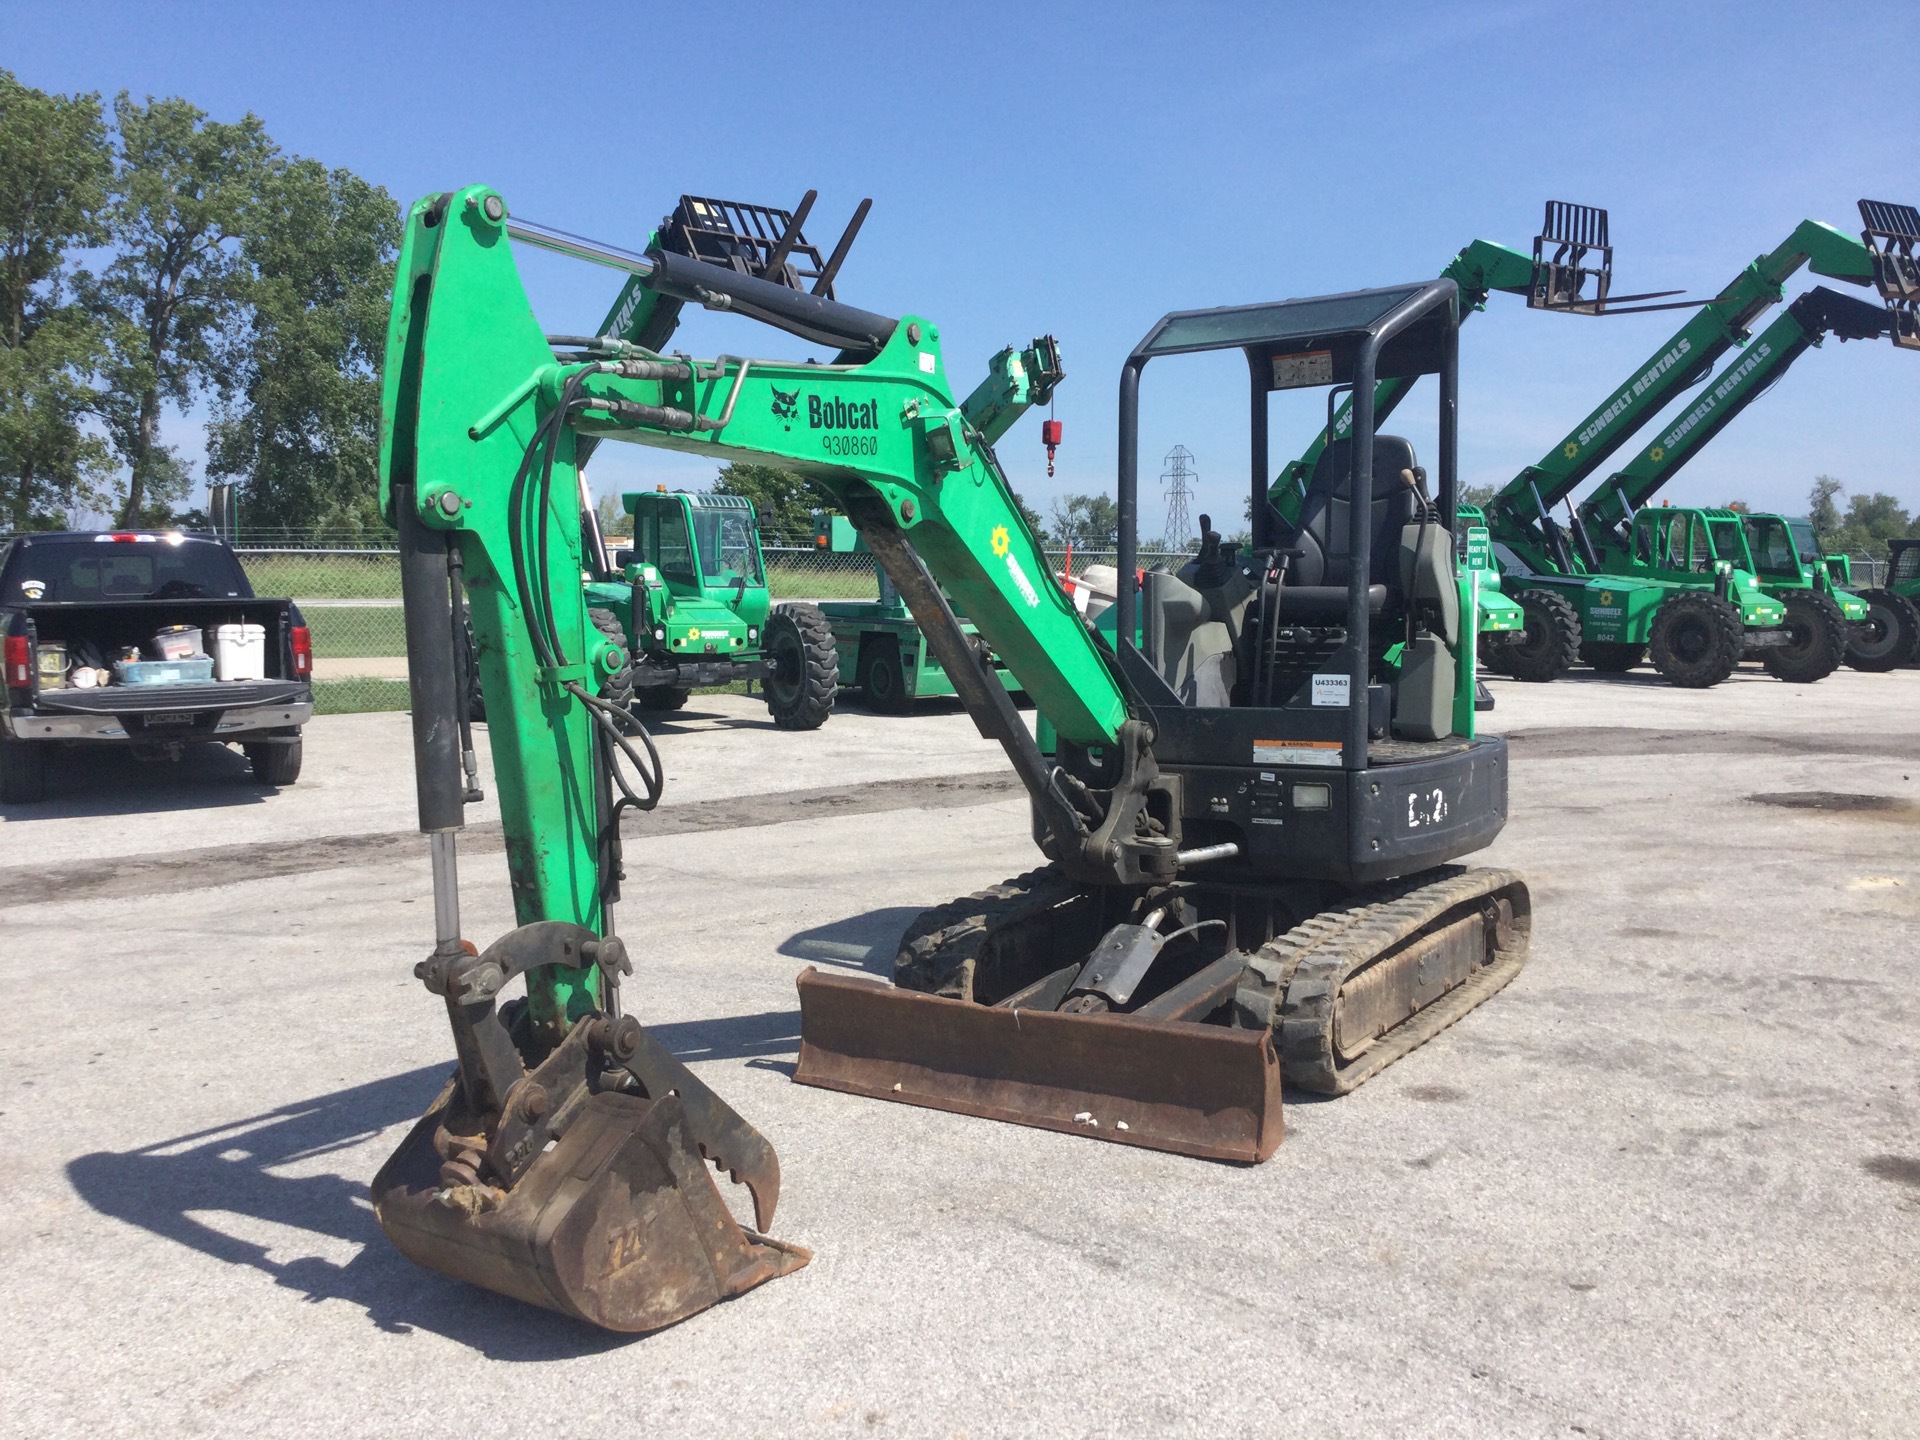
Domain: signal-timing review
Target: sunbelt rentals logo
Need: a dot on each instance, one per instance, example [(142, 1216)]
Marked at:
[(1002, 542)]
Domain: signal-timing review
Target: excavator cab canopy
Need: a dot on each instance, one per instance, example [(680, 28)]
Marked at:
[(1344, 343)]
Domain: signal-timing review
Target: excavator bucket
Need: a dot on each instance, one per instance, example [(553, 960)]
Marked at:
[(583, 1183), (1192, 1089), (618, 1222)]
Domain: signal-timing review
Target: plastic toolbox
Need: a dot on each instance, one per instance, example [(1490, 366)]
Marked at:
[(164, 672)]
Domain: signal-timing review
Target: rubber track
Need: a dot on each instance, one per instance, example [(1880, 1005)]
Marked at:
[(1320, 959), (935, 951)]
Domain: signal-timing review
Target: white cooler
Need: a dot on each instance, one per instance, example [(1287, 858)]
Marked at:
[(239, 652)]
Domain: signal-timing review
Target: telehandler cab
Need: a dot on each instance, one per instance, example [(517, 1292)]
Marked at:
[(1248, 796)]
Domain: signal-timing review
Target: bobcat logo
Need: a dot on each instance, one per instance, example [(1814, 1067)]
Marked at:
[(786, 406)]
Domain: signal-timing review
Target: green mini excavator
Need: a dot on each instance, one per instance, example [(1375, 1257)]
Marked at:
[(1248, 789)]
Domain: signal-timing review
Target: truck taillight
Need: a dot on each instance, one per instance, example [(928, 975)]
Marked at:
[(302, 652), (19, 661)]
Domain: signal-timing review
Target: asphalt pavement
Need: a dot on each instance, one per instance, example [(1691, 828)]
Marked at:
[(1665, 1184)]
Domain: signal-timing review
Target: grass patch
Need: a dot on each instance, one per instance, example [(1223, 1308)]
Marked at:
[(358, 696), (814, 582), (325, 577)]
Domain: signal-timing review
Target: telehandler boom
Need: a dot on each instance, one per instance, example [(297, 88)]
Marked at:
[(1247, 790), (1558, 574)]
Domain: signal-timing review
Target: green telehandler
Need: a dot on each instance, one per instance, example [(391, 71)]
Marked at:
[(1825, 622), (691, 603), (1247, 815), (1695, 606)]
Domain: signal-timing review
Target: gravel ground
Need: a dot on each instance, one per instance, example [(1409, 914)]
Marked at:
[(1667, 1183)]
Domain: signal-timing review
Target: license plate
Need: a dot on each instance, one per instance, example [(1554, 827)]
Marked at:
[(171, 717)]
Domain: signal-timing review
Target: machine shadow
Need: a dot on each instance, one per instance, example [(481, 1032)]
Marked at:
[(260, 1171), (866, 942), (105, 780)]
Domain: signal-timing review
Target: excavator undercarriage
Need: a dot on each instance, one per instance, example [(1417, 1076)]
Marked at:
[(1310, 984)]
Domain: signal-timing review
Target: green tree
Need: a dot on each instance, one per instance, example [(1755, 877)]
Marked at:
[(54, 167), (1478, 495), (614, 519), (184, 195), (297, 425), (1821, 508), (1089, 522), (783, 501), (1869, 522)]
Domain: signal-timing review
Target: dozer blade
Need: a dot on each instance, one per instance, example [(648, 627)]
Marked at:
[(1192, 1089), (617, 1222)]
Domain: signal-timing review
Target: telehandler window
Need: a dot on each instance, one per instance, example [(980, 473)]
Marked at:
[(672, 552), (1773, 548), (727, 550)]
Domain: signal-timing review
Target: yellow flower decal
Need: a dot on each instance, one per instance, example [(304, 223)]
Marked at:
[(1606, 597), (1570, 449), (1657, 453), (1002, 541)]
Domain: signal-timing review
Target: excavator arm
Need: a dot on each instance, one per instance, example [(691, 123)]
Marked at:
[(490, 462)]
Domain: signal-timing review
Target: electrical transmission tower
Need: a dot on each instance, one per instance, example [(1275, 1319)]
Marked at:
[(1178, 478)]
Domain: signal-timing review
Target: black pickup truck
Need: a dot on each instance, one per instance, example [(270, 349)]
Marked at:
[(86, 601)]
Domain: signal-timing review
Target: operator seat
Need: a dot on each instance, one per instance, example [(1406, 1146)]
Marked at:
[(1317, 579), (1409, 571)]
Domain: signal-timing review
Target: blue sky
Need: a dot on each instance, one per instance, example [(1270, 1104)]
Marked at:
[(1081, 169)]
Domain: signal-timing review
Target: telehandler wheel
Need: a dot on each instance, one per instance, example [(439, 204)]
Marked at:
[(617, 688), (1551, 642), (1612, 657), (883, 678), (802, 666), (662, 697), (1696, 639), (23, 772), (1890, 635), (274, 765), (1818, 641)]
